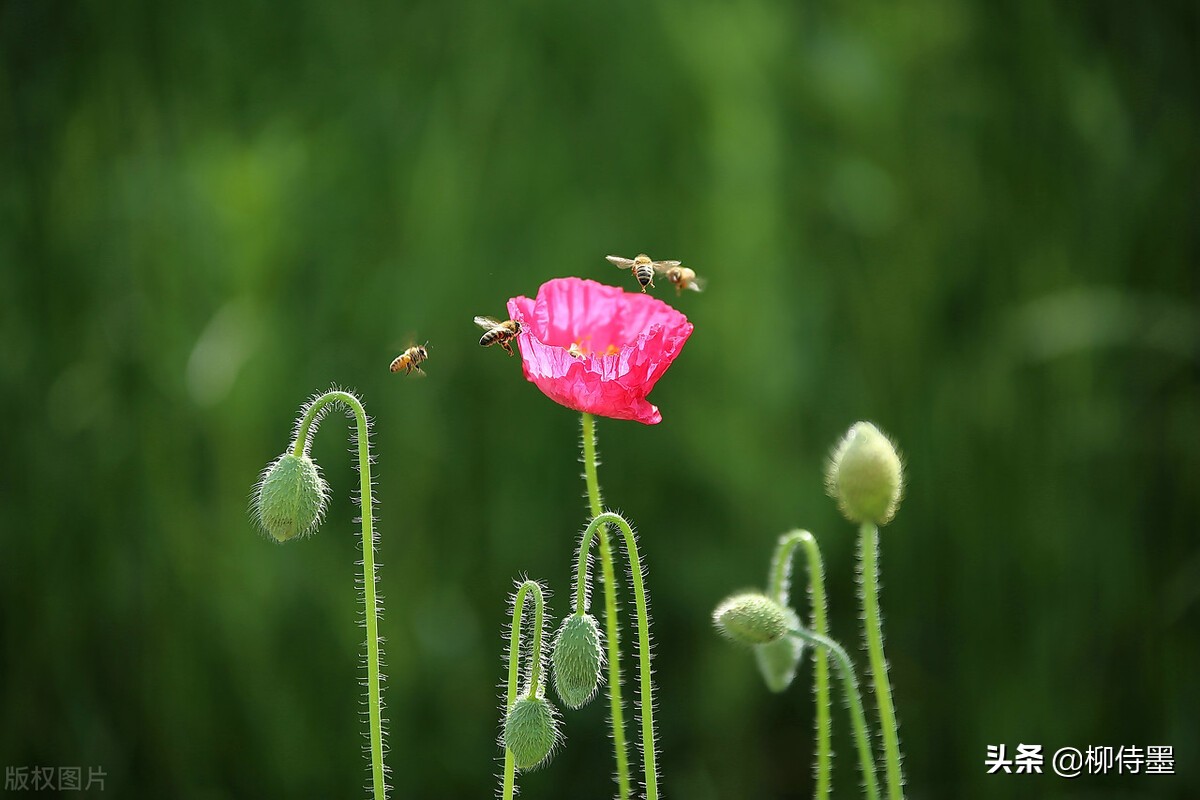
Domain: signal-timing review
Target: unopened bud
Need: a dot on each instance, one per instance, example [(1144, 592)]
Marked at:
[(751, 618), (778, 660), (290, 497), (531, 731), (865, 475), (578, 658)]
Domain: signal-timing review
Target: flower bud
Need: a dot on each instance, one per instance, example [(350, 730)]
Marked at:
[(778, 660), (290, 497), (751, 618), (865, 475), (531, 731), (578, 658)]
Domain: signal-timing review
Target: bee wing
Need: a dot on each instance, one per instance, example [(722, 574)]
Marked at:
[(697, 284), (663, 266), (623, 263), (487, 323)]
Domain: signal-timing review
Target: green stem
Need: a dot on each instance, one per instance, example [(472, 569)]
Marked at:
[(535, 666), (611, 626), (778, 589), (646, 690), (370, 599), (869, 553), (858, 719)]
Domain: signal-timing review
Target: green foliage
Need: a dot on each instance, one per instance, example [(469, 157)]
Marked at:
[(778, 660), (972, 223)]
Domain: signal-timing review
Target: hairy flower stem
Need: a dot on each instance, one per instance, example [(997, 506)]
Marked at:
[(370, 599), (535, 666), (858, 719), (778, 590), (597, 527), (611, 626), (869, 555)]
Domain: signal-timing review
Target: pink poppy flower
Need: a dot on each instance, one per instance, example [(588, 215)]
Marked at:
[(596, 348)]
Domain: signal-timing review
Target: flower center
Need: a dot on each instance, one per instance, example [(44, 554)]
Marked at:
[(583, 347)]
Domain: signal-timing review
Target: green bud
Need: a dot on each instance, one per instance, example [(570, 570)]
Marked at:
[(531, 731), (751, 618), (290, 497), (578, 658), (778, 660), (865, 475)]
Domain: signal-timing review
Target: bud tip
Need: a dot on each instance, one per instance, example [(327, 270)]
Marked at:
[(531, 731), (751, 618), (290, 497), (578, 658), (865, 475)]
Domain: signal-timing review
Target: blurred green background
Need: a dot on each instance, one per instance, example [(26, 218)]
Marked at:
[(975, 224)]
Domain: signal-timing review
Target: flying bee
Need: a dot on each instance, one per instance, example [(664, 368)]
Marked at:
[(575, 351), (410, 360), (501, 333), (684, 278), (642, 267)]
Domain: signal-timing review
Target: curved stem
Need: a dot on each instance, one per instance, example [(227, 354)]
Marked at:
[(581, 576), (858, 719), (869, 553), (611, 625), (646, 689), (370, 598), (778, 589), (514, 652)]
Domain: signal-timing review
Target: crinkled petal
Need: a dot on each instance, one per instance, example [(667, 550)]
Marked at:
[(629, 340)]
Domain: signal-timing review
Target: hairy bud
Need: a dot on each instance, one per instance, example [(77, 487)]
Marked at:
[(778, 660), (531, 731), (578, 658), (865, 475), (290, 497), (751, 618)]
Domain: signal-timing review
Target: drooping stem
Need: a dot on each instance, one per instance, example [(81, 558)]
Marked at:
[(646, 688), (535, 665), (778, 589), (370, 598), (858, 719), (869, 555), (611, 625)]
